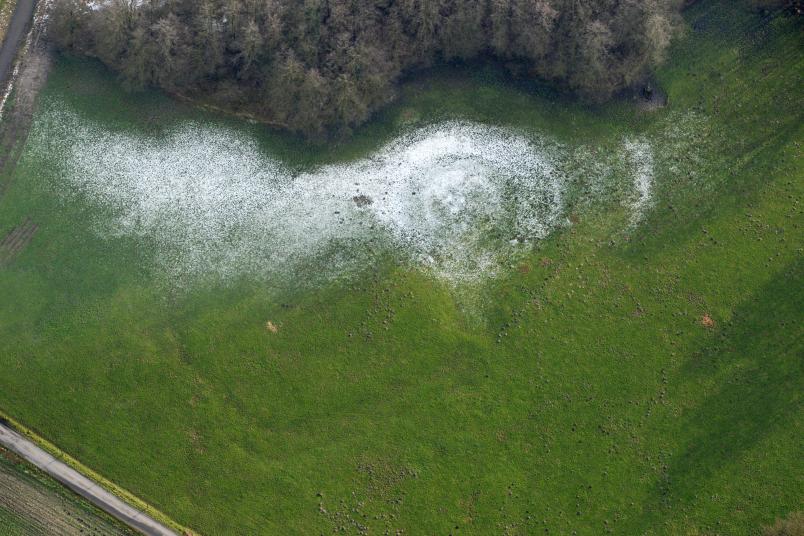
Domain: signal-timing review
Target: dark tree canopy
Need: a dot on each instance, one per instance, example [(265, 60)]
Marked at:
[(318, 66)]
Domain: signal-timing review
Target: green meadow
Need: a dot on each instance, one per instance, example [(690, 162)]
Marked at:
[(615, 377)]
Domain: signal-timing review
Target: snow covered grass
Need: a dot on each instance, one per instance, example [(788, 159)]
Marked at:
[(640, 155), (457, 199)]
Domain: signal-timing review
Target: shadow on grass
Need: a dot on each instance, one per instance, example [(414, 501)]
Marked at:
[(756, 364), (750, 93), (674, 227)]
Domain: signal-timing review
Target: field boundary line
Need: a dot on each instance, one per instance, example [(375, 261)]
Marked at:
[(131, 500)]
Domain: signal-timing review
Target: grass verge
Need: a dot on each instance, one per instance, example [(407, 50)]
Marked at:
[(105, 483)]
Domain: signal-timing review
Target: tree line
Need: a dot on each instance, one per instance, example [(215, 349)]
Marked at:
[(323, 66)]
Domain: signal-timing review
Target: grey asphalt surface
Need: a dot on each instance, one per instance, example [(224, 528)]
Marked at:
[(80, 484), (17, 30)]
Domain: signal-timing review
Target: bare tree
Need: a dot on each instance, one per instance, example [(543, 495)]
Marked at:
[(325, 65)]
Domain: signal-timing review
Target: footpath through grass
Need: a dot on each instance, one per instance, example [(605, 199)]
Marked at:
[(624, 381)]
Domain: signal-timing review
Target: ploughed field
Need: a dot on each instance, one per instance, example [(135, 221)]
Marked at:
[(492, 311), (33, 504)]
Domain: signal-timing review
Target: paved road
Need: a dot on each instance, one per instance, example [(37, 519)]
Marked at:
[(17, 30), (81, 484)]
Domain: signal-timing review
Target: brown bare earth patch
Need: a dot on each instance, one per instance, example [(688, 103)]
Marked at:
[(15, 241), (196, 441), (793, 525)]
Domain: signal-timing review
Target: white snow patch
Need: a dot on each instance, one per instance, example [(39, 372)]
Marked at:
[(96, 5), (640, 156), (455, 198)]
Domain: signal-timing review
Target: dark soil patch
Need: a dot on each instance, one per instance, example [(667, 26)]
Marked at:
[(647, 96), (16, 240), (362, 200)]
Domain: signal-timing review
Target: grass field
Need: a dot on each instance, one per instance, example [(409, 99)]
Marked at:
[(633, 372)]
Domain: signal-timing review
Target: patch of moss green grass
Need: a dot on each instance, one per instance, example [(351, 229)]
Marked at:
[(584, 390)]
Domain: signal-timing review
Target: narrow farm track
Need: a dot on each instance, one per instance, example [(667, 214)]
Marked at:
[(80, 484), (17, 29)]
